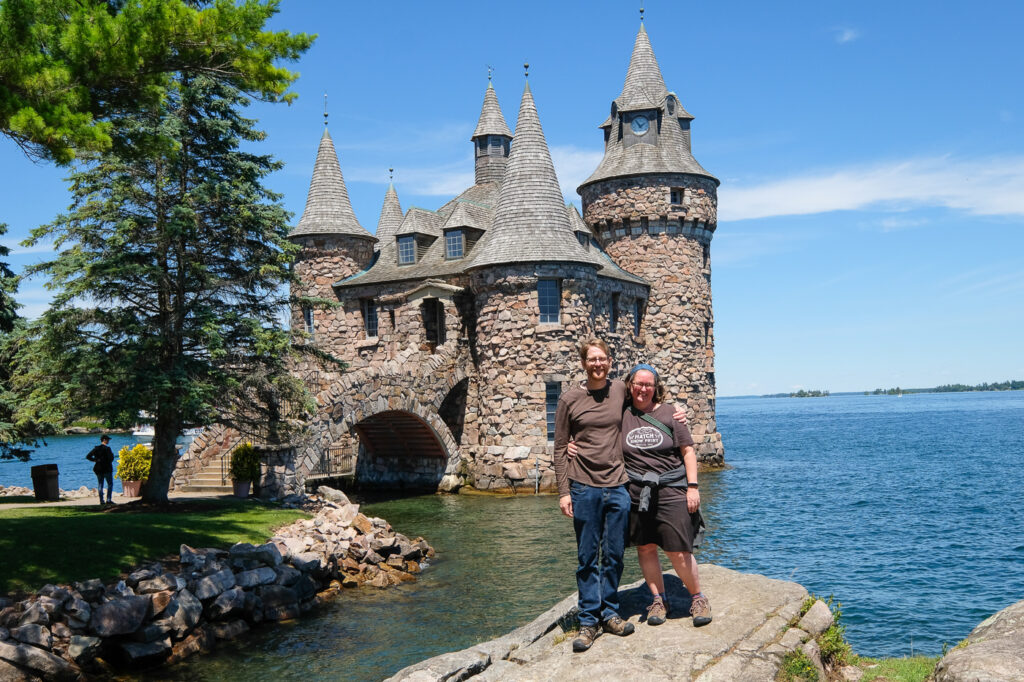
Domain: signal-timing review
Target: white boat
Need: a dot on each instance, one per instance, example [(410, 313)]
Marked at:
[(143, 433)]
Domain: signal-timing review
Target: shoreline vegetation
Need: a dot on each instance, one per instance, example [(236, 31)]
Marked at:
[(1008, 385)]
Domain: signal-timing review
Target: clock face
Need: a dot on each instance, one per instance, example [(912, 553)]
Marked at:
[(640, 124)]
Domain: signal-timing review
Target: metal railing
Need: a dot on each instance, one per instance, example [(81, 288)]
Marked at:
[(335, 462)]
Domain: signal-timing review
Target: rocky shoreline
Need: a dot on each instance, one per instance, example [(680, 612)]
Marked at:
[(758, 624), (163, 612)]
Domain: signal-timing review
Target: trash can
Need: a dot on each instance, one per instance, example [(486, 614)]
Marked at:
[(44, 483)]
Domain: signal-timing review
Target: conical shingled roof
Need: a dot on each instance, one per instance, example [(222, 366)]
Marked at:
[(491, 121), (530, 220), (645, 89), (390, 215), (328, 209)]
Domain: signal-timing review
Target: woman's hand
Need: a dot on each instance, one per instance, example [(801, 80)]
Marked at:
[(680, 415), (692, 499), (571, 451)]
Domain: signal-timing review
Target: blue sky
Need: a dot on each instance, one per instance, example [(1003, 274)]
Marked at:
[(871, 212)]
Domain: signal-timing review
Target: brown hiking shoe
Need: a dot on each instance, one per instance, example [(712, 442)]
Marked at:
[(656, 612), (588, 633), (617, 626), (700, 609)]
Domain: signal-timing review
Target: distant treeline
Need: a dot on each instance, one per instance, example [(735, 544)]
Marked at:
[(1013, 385), (799, 394)]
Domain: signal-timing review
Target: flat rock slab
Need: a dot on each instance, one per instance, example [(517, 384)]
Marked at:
[(751, 614)]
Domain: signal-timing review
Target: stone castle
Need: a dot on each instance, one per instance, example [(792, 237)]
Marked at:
[(460, 326)]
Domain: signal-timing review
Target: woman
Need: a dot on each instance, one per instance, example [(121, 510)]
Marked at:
[(662, 467)]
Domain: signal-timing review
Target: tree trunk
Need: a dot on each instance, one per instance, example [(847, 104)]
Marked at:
[(165, 456)]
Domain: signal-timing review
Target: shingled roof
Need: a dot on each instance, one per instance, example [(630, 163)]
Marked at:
[(645, 89), (390, 215), (328, 209), (530, 220), (491, 121)]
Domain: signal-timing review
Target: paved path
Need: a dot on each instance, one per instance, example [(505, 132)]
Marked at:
[(93, 500)]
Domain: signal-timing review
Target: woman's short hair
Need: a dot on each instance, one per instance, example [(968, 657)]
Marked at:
[(593, 342), (659, 388)]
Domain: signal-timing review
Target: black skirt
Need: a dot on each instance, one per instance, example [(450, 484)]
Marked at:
[(666, 523)]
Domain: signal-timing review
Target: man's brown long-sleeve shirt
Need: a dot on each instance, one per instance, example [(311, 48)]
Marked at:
[(593, 419)]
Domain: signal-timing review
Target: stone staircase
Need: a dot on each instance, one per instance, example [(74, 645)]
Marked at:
[(209, 480)]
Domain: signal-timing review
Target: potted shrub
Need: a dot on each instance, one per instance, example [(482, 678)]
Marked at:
[(245, 468), (133, 468)]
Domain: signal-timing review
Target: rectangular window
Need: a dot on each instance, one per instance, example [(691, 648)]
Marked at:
[(676, 196), (406, 249), (549, 297), (644, 224), (370, 317), (307, 319), (454, 244), (433, 321), (638, 314), (552, 391), (584, 240), (613, 313)]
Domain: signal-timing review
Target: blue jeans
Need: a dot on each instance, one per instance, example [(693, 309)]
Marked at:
[(109, 478), (601, 520)]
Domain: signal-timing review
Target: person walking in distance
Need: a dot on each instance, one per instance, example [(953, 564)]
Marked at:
[(103, 467)]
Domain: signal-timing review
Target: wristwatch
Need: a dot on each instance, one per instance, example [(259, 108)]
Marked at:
[(692, 485)]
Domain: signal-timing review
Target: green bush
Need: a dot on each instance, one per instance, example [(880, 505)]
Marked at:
[(245, 463), (133, 463)]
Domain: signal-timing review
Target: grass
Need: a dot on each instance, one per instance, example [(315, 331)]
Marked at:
[(41, 545), (913, 669), (796, 667)]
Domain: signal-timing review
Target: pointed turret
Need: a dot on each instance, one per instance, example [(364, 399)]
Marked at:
[(328, 209), (530, 220), (491, 140), (644, 87), (648, 130), (390, 215)]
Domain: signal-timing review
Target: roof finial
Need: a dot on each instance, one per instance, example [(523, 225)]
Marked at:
[(391, 174), (490, 71), (641, 11), (325, 108), (526, 68)]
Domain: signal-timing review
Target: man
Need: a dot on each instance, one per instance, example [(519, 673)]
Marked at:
[(103, 457), (592, 490)]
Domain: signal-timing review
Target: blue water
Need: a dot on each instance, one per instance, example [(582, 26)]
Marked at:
[(908, 510), (68, 453)]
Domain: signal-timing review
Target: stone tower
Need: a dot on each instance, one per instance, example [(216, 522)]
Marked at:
[(332, 245), (491, 140), (654, 209)]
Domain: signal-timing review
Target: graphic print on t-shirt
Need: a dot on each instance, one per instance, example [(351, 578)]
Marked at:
[(645, 437)]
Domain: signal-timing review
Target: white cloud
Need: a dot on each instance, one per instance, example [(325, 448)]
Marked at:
[(41, 247), (993, 186), (846, 35), (446, 180), (572, 166)]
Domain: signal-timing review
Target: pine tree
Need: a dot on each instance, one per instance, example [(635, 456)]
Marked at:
[(70, 68), (170, 279)]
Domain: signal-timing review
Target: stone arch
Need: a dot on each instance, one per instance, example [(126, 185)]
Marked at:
[(374, 418)]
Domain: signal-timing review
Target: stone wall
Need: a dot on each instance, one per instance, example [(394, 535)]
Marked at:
[(161, 614), (214, 441), (517, 355), (668, 244)]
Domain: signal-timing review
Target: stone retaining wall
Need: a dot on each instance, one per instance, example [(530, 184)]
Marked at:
[(161, 613)]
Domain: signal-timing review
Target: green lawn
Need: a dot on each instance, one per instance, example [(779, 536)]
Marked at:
[(42, 545)]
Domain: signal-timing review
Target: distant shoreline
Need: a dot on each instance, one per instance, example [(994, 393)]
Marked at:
[(953, 388)]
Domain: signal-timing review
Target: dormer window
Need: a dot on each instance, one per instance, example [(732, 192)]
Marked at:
[(454, 244), (583, 239), (406, 249)]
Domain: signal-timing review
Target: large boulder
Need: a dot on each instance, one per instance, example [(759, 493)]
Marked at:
[(119, 616), (40, 662), (993, 652), (33, 634), (184, 612), (214, 584)]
